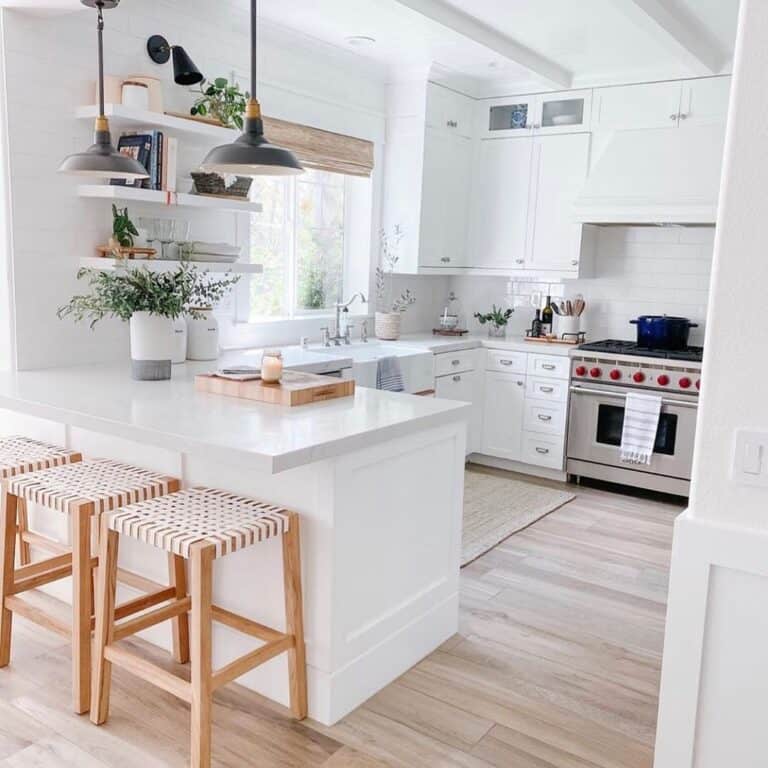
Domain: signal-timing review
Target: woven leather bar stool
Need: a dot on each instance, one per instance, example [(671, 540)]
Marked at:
[(81, 490), (199, 525), (19, 455)]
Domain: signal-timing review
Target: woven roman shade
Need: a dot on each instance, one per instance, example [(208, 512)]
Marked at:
[(322, 150)]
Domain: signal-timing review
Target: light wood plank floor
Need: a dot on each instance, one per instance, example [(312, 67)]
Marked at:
[(556, 666)]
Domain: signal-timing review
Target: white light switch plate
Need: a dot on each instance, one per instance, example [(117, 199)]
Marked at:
[(750, 458)]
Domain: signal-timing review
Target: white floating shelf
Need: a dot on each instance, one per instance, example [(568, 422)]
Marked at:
[(162, 265), (126, 118), (184, 199)]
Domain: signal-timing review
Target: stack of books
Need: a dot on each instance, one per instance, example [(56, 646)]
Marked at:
[(157, 153)]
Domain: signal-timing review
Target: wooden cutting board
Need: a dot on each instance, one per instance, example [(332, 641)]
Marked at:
[(296, 388)]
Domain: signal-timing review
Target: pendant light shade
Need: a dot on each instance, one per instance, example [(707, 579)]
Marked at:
[(101, 159), (184, 70), (251, 154)]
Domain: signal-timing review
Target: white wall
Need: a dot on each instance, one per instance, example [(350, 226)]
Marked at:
[(50, 68), (714, 676), (639, 270)]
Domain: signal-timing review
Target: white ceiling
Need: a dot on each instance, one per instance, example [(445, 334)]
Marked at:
[(497, 47), (593, 41)]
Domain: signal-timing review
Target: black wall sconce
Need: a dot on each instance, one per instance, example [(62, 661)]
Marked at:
[(184, 70)]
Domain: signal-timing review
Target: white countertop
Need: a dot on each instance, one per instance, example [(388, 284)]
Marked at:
[(172, 414), (439, 344)]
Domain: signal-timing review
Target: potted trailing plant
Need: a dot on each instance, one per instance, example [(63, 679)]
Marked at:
[(150, 302), (221, 100), (390, 308), (497, 320)]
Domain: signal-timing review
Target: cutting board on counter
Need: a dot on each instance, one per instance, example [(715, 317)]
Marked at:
[(295, 388)]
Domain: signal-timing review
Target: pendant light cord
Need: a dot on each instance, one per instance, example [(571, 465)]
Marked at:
[(100, 30), (254, 15)]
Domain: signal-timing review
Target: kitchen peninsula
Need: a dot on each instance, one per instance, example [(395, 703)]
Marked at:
[(377, 478)]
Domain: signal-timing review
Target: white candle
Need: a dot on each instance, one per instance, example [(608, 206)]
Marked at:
[(271, 366)]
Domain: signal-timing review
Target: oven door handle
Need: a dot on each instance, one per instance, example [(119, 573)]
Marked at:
[(622, 396)]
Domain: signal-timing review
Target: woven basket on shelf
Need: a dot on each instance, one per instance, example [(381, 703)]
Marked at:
[(213, 184)]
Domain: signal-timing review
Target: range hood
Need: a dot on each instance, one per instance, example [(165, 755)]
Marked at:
[(660, 176)]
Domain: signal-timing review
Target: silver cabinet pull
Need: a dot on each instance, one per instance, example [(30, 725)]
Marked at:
[(548, 366), (519, 261), (683, 116), (674, 117), (520, 383), (575, 262), (455, 362), (543, 451), (548, 390), (452, 124), (506, 362), (445, 259), (543, 417), (457, 378)]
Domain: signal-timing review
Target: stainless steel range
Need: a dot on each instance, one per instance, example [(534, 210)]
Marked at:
[(602, 373)]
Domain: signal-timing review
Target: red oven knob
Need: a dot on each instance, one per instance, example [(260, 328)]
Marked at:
[(615, 374), (684, 383), (595, 373), (581, 370), (662, 380), (698, 383), (638, 377)]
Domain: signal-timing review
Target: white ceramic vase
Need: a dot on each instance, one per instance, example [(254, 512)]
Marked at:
[(179, 340), (387, 325), (151, 346), (203, 336)]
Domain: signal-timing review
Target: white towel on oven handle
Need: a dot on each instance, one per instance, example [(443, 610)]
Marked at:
[(641, 422)]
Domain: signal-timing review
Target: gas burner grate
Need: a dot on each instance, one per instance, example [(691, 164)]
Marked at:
[(621, 347)]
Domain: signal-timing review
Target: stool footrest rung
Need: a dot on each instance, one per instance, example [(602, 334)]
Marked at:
[(149, 672), (40, 566), (38, 616), (143, 602), (43, 542), (251, 660), (246, 626), (149, 619), (32, 582)]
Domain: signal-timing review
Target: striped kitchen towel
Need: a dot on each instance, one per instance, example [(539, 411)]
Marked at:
[(641, 421), (388, 375)]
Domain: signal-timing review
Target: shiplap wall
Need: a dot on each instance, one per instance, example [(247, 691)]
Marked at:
[(51, 227), (638, 270)]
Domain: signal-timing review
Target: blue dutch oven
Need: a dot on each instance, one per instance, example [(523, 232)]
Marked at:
[(663, 331)]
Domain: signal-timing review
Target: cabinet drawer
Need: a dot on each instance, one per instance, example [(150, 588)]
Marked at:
[(454, 362), (546, 417), (509, 362), (549, 366), (543, 450), (546, 389)]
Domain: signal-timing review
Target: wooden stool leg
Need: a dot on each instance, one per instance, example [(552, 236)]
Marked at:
[(8, 509), (180, 625), (105, 623), (201, 591), (82, 589), (25, 556), (294, 618)]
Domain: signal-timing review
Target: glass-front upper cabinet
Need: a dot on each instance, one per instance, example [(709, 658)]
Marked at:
[(564, 112)]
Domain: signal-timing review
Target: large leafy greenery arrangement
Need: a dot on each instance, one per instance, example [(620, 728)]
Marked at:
[(124, 291)]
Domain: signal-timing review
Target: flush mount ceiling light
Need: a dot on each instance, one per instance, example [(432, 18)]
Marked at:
[(251, 154), (101, 159), (360, 41), (184, 70)]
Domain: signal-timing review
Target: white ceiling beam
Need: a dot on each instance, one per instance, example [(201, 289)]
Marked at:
[(676, 33), (544, 69)]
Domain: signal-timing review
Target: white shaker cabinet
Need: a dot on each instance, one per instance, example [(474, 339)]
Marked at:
[(522, 200), (463, 387), (445, 199), (705, 101), (500, 202), (504, 415), (560, 165)]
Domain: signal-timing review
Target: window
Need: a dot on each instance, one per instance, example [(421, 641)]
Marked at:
[(301, 239)]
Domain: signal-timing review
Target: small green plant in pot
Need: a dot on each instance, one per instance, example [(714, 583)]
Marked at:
[(123, 229), (221, 100), (497, 320), (150, 302)]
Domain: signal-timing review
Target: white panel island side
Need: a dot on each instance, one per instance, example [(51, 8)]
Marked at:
[(378, 479)]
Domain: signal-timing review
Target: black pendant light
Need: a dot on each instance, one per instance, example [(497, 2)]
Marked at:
[(101, 159), (252, 154)]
